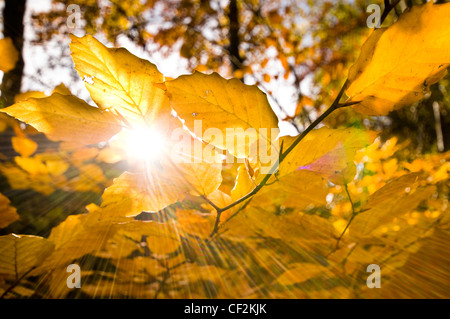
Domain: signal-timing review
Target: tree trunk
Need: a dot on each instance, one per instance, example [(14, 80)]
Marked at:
[(13, 15), (233, 18)]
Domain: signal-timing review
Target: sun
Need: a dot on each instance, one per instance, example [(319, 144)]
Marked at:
[(144, 143)]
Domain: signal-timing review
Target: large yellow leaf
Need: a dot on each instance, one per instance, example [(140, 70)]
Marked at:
[(334, 149), (8, 213), (8, 55), (75, 237), (116, 79), (220, 111), (398, 64), (66, 118), (20, 253), (204, 178), (299, 189), (161, 238), (243, 184), (381, 208), (198, 165), (132, 193), (195, 223)]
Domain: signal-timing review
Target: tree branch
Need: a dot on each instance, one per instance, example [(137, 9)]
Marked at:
[(335, 105)]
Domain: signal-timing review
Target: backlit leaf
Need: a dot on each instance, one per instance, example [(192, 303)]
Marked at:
[(116, 79), (8, 55), (66, 118), (8, 213), (20, 253), (398, 64), (229, 106)]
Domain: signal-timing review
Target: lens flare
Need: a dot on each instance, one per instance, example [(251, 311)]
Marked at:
[(144, 143)]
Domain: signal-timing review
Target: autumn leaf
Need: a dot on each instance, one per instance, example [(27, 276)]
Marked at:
[(226, 105), (74, 238), (23, 145), (328, 152), (9, 55), (132, 193), (66, 118), (21, 253), (118, 80), (8, 213), (398, 64), (161, 238)]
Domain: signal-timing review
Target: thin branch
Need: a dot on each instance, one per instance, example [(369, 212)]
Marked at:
[(335, 105), (354, 213), (388, 7)]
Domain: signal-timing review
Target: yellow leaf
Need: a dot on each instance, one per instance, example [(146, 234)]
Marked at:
[(228, 106), (27, 95), (119, 80), (75, 237), (398, 64), (23, 145), (130, 194), (20, 253), (195, 223), (299, 189), (243, 184), (204, 178), (32, 165), (66, 118), (8, 55), (161, 238), (8, 213), (202, 172), (334, 149)]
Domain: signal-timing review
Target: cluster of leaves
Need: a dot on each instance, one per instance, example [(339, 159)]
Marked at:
[(335, 201)]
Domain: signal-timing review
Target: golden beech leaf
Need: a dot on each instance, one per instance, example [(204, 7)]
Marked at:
[(66, 118), (398, 64), (8, 213), (61, 89), (161, 238), (221, 111), (243, 184), (195, 223), (204, 178), (333, 149), (220, 198), (23, 145), (75, 237), (299, 189), (8, 55), (116, 79), (380, 208), (132, 193), (28, 95), (201, 171), (20, 253)]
